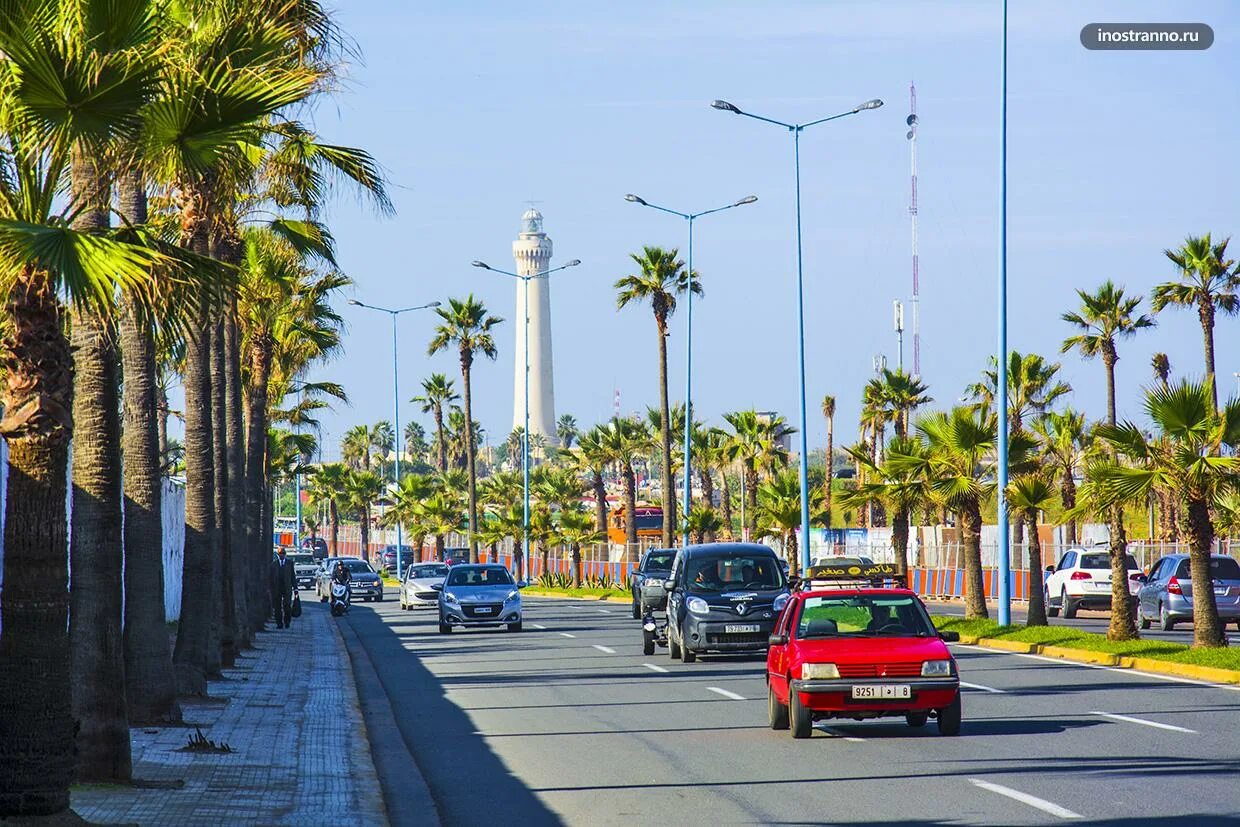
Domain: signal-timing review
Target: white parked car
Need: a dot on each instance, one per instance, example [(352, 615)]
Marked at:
[(420, 587), (1082, 580)]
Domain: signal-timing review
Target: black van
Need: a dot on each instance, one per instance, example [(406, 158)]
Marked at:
[(723, 597)]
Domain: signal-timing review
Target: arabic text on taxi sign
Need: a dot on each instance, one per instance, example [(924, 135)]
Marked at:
[(852, 572)]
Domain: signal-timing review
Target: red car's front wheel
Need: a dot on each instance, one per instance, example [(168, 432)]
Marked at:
[(776, 712)]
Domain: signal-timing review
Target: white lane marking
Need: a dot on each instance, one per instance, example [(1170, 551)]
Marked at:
[(838, 734), (605, 649), (990, 689), (1143, 722), (605, 611), (1119, 669), (725, 693), (538, 626), (654, 668), (566, 634), (1025, 798)]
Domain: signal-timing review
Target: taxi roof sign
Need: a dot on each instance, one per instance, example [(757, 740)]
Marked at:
[(874, 574)]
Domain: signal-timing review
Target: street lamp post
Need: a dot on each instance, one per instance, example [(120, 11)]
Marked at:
[(796, 130), (690, 218), (1004, 551), (525, 430), (395, 407)]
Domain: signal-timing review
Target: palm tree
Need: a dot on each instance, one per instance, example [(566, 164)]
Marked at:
[(1105, 316), (383, 440), (1028, 494), (467, 326), (442, 513), (779, 513), (415, 444), (355, 447), (362, 488), (437, 392), (625, 441), (661, 279), (590, 459), (1063, 445), (702, 523), (1161, 365), (898, 485), (327, 486), (575, 529), (1207, 282), (1192, 459), (406, 507), (897, 395), (566, 430), (828, 411), (757, 444), (1033, 387)]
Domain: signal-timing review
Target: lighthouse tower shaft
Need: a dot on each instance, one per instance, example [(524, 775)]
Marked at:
[(532, 252)]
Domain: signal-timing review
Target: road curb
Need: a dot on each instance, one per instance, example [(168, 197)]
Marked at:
[(558, 596), (1154, 666)]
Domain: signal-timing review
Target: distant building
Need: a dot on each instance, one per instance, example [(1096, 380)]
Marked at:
[(785, 441), (532, 252)]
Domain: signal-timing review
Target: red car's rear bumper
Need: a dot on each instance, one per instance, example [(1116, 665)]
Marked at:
[(836, 695)]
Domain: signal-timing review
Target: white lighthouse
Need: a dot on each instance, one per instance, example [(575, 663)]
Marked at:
[(532, 251)]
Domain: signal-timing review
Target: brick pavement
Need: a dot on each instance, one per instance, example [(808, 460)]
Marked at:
[(300, 752)]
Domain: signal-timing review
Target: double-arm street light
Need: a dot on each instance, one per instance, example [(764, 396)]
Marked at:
[(796, 129), (690, 217), (525, 431), (395, 406)]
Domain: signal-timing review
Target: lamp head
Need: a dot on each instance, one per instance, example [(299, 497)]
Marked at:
[(573, 263), (726, 107), (634, 199), (748, 199), (870, 104), (434, 304), (481, 264), (355, 303)]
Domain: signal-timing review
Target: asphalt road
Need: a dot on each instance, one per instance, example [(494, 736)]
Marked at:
[(1090, 621), (567, 722)]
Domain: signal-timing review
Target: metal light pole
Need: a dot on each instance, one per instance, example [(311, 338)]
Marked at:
[(796, 130), (525, 430), (898, 308), (395, 408), (1004, 557), (690, 218)]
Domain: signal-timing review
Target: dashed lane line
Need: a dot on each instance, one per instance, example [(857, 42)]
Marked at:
[(538, 626), (653, 668), (605, 611), (981, 688), (1042, 804), (566, 634), (1119, 669), (607, 650), (1130, 720), (732, 696)]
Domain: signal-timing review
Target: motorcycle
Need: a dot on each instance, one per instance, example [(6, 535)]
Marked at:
[(339, 599)]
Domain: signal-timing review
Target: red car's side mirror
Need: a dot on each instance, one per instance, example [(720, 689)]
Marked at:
[(777, 640)]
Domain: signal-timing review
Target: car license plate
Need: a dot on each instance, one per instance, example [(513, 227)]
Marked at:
[(740, 629), (881, 692), (482, 610)]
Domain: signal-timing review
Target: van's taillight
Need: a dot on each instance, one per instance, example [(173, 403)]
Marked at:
[(1173, 586), (1081, 575)]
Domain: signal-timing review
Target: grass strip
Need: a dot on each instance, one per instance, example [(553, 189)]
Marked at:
[(1225, 658), (584, 591)]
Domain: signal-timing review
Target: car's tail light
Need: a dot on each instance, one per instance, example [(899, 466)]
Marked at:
[(1135, 577), (1173, 586), (1081, 575)]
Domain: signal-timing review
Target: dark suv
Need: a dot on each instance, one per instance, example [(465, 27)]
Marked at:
[(723, 597), (654, 568)]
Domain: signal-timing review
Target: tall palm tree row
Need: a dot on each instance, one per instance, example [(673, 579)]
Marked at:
[(660, 280), (438, 394)]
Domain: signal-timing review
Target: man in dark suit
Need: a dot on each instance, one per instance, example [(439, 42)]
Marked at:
[(283, 581)]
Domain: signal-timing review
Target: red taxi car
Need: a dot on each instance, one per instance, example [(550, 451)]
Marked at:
[(850, 645)]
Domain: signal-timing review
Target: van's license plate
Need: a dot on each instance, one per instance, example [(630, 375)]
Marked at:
[(740, 629), (881, 692)]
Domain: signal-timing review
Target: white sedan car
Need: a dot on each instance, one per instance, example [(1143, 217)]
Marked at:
[(421, 585), (1082, 580)]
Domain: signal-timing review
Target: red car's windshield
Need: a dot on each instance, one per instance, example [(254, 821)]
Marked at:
[(862, 615)]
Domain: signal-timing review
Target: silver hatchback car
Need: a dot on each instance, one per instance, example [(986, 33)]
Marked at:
[(1166, 597)]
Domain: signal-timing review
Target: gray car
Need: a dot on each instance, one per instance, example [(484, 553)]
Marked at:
[(479, 595), (421, 585), (1167, 594)]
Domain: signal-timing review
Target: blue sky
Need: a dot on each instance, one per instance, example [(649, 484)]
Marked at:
[(477, 108)]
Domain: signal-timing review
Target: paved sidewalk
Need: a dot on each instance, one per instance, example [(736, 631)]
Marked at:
[(300, 752)]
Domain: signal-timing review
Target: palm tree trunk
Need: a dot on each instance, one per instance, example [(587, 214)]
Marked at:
[(1108, 361), (899, 538), (441, 439), (665, 442), (364, 518), (1123, 623), (974, 586), (725, 504), (333, 521), (826, 498), (96, 558), (1205, 312), (241, 559), (1067, 494), (161, 425), (575, 550), (150, 687), (1207, 630), (221, 652), (1037, 598), (193, 633), (471, 468), (259, 546), (630, 516), (36, 721), (790, 551), (708, 494), (600, 503), (751, 499)]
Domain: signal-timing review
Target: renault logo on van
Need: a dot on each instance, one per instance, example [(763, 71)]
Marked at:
[(741, 608)]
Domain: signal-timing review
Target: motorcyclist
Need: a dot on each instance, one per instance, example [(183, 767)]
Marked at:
[(340, 575)]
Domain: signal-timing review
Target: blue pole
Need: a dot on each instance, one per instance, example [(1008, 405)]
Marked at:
[(1004, 561), (525, 443), (688, 388), (396, 420), (796, 140)]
